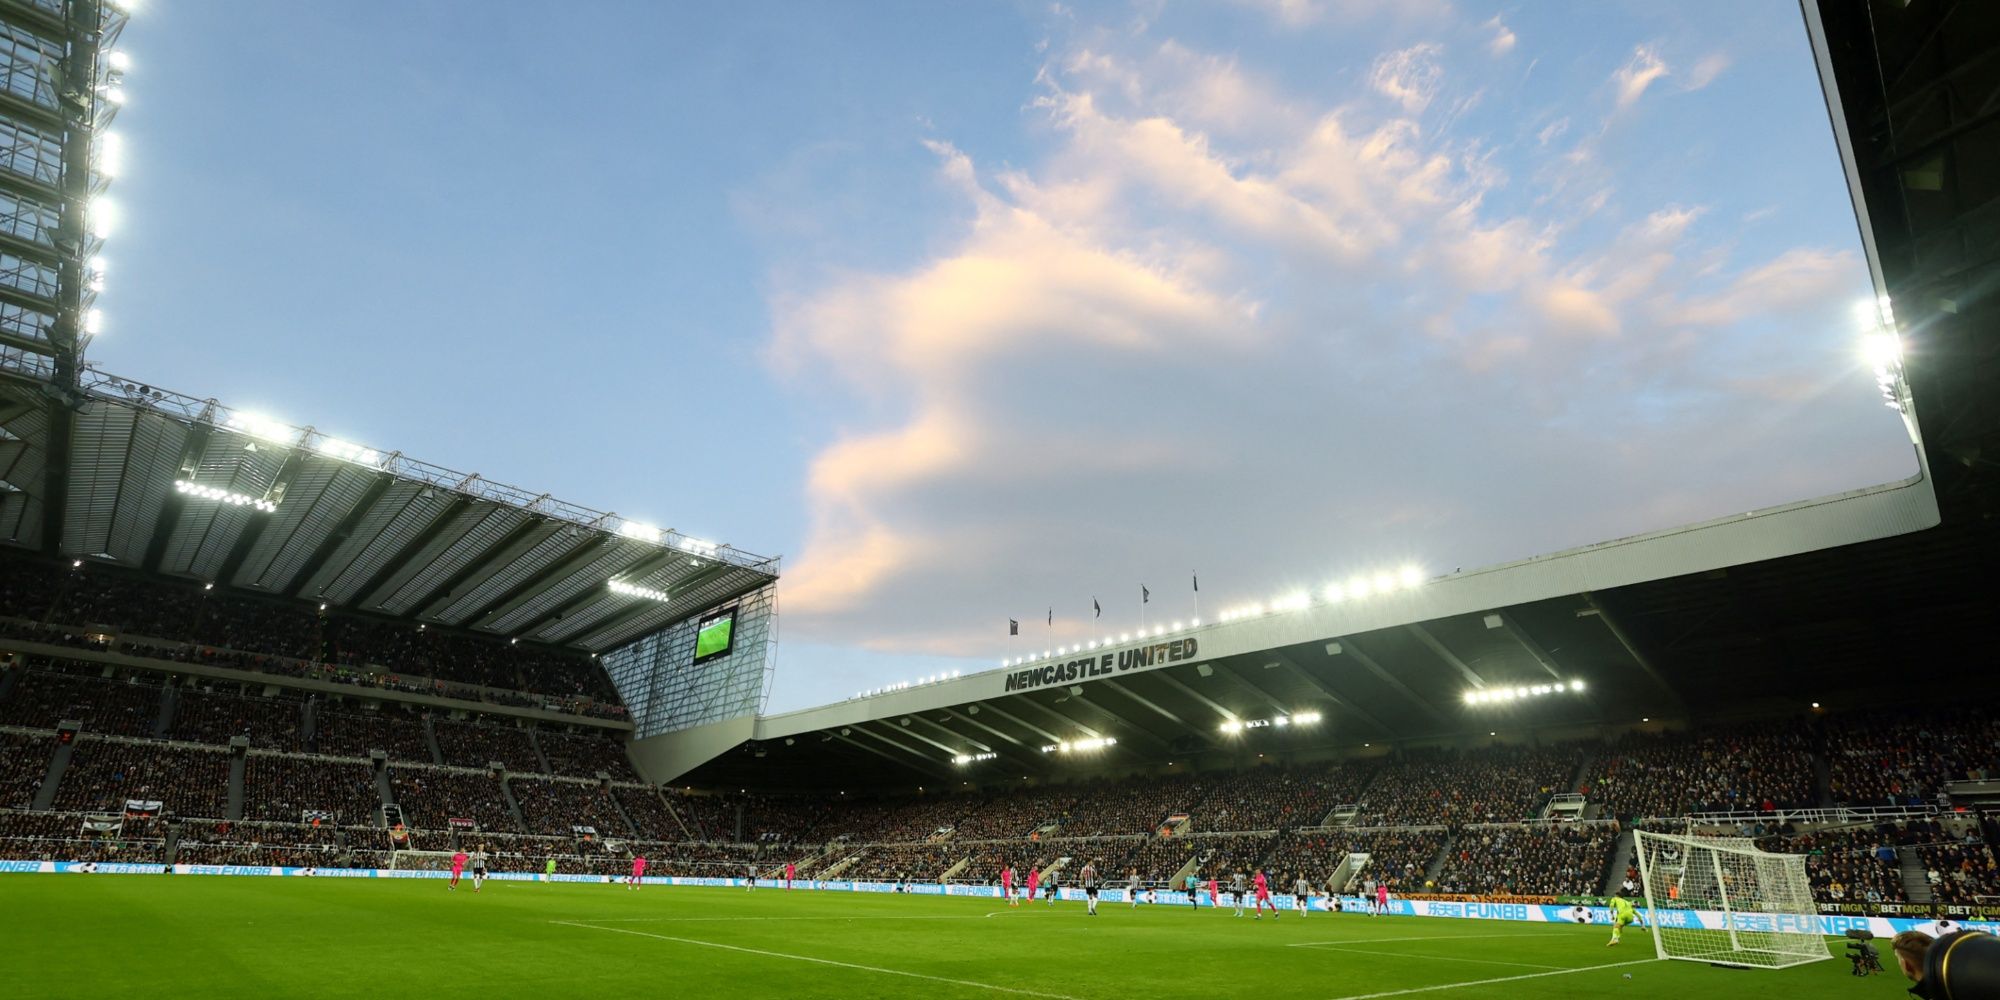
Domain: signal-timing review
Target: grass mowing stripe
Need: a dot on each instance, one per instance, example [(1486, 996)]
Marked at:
[(817, 920), (1442, 958), (1425, 937), (1489, 982), (820, 961)]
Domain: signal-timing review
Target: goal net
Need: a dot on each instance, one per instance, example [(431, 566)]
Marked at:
[(420, 861), (1721, 900)]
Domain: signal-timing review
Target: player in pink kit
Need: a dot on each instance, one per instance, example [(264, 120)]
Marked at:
[(638, 873), (790, 871), (457, 868), (1382, 898), (1007, 884), (1034, 879), (1263, 887)]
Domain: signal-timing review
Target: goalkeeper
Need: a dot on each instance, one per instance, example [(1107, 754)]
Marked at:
[(1622, 913)]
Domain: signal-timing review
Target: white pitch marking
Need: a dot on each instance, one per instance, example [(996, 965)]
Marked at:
[(822, 961), (1488, 982), (1442, 958)]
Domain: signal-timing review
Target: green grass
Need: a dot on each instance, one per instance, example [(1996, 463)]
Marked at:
[(221, 937)]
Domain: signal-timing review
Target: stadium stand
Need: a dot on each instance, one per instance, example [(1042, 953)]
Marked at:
[(1542, 859), (24, 762), (585, 756), (397, 732), (651, 820), (270, 723), (1501, 784), (1762, 767), (1397, 857), (557, 808), (283, 789), (431, 798), (466, 745), (50, 692), (1881, 759), (104, 774), (1016, 815), (1962, 873)]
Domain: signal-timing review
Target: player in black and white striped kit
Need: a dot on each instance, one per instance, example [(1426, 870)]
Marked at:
[(1302, 892), (1089, 878), (1238, 888), (478, 867)]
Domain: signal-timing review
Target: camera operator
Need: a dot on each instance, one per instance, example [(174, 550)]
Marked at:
[(1960, 966)]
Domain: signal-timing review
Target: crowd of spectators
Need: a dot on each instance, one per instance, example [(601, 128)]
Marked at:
[(1498, 784), (1017, 814), (1888, 760), (103, 775), (431, 798), (1962, 873), (649, 815), (707, 817), (557, 808), (213, 717), (1543, 859), (397, 731), (900, 821), (790, 819), (1848, 866), (1745, 768), (466, 745), (703, 860), (48, 692), (297, 845), (24, 762), (890, 863), (283, 789), (585, 755), (1397, 858), (1317, 854)]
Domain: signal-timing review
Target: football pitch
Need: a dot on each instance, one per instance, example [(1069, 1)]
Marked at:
[(218, 937)]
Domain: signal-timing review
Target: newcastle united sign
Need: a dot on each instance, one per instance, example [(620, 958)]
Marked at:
[(1103, 664)]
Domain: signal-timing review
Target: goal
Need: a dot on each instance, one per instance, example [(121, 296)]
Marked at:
[(1723, 901), (420, 861)]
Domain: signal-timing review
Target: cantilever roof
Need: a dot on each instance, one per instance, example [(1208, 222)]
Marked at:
[(352, 526)]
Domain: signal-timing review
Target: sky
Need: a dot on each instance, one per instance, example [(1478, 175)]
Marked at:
[(978, 311)]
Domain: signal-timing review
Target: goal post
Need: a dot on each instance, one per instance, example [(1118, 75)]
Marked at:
[(420, 861), (1724, 901)]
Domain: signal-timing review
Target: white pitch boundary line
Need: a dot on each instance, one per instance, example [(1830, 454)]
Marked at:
[(1489, 982), (821, 961), (1443, 958), (1394, 940)]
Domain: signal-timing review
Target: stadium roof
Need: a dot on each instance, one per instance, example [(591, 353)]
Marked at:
[(1821, 601), (156, 480)]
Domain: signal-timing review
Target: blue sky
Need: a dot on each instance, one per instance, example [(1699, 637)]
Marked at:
[(973, 309)]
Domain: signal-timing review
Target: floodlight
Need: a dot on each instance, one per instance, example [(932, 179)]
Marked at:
[(93, 322), (1882, 350), (1385, 582), (103, 215), (1576, 685), (97, 264), (1196, 623), (1334, 593), (1281, 721), (118, 61), (115, 95), (1472, 697), (1358, 587), (1124, 637), (1176, 627), (1411, 576), (641, 531), (1306, 718), (110, 154)]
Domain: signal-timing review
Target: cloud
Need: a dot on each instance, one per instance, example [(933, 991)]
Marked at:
[(1170, 339), (1503, 38), (1410, 77), (1632, 79), (1705, 71)]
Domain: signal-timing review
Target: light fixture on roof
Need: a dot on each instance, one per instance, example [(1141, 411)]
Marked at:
[(1494, 695), (641, 531), (103, 215), (229, 497), (118, 61), (634, 590)]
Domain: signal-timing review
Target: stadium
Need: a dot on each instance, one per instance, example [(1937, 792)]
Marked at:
[(274, 704)]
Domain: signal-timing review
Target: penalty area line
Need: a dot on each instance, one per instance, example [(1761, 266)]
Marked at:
[(1399, 940), (1489, 982), (820, 961)]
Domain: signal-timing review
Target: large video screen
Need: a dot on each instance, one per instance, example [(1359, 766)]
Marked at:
[(715, 635)]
